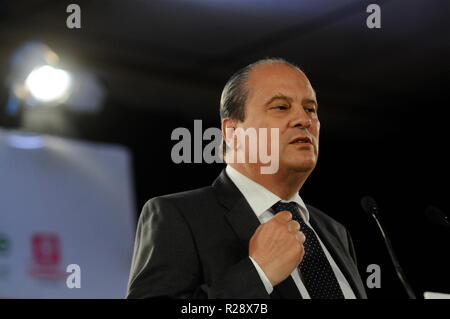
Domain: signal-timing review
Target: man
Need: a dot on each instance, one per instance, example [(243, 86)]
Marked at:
[(250, 235)]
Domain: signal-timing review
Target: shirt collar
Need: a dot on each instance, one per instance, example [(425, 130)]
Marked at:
[(260, 198)]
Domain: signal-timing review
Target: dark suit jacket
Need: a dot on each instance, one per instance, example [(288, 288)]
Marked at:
[(194, 244)]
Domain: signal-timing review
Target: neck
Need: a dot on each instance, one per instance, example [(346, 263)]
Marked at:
[(285, 183)]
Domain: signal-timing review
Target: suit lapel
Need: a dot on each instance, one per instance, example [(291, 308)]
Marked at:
[(239, 214), (244, 222), (341, 259)]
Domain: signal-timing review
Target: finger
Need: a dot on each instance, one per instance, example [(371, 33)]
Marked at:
[(300, 237), (284, 216), (293, 226)]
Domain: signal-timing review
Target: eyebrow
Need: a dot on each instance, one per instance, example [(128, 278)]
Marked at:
[(279, 97), (289, 99)]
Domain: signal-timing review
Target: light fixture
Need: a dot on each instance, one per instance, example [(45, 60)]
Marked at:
[(48, 84)]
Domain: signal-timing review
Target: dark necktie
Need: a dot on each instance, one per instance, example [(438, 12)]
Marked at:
[(315, 269)]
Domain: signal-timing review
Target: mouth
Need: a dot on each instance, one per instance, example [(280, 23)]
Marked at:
[(301, 140)]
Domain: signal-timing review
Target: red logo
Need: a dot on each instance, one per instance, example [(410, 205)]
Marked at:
[(46, 256), (46, 249)]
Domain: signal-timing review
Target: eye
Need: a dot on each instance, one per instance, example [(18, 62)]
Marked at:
[(281, 107), (310, 110)]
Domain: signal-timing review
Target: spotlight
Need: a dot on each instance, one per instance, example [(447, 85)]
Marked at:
[(48, 84), (39, 79)]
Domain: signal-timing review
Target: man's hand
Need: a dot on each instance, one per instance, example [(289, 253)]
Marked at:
[(277, 247)]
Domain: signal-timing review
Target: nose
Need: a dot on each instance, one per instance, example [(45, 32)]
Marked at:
[(301, 120)]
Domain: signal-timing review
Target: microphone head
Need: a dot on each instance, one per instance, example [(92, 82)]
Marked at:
[(437, 216), (369, 205)]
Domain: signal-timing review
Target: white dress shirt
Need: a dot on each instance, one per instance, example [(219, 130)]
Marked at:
[(261, 200)]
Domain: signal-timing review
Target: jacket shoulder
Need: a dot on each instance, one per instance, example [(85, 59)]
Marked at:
[(183, 202), (327, 222), (324, 217)]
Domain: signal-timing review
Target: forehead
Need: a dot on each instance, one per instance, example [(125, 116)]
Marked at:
[(270, 79)]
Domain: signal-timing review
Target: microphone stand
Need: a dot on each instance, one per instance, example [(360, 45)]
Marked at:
[(394, 259)]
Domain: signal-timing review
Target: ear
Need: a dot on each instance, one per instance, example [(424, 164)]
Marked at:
[(229, 125)]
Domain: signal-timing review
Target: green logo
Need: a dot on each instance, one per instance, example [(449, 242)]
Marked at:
[(4, 245)]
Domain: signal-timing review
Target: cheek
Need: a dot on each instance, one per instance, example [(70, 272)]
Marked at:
[(317, 133), (315, 128)]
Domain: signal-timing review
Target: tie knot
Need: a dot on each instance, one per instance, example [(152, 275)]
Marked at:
[(291, 207)]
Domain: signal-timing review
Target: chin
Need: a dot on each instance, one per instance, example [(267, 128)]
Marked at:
[(304, 166)]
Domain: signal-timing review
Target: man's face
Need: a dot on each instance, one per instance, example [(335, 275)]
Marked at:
[(281, 97)]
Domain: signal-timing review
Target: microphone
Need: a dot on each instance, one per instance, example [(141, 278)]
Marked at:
[(437, 216), (370, 207)]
